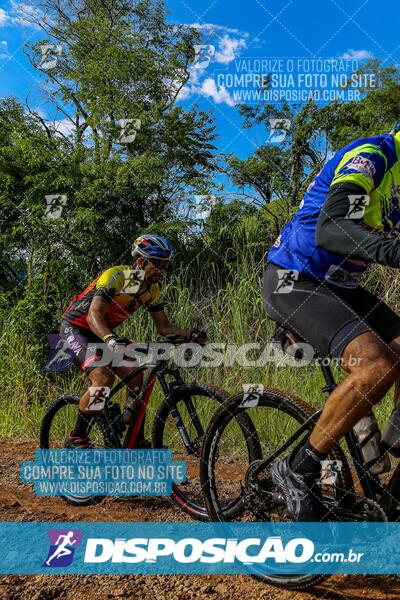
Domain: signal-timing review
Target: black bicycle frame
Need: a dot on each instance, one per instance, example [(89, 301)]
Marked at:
[(370, 484), (159, 371)]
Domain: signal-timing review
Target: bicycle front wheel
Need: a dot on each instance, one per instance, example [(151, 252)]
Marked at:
[(195, 403), (276, 415)]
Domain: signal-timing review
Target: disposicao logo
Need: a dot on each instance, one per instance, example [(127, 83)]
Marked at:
[(62, 547), (190, 550)]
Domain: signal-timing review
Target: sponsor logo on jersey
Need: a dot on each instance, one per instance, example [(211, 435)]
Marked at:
[(308, 189), (277, 242), (363, 165), (115, 276)]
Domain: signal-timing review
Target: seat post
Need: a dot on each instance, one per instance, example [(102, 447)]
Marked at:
[(328, 376)]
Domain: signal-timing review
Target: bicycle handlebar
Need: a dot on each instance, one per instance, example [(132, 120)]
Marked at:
[(172, 338)]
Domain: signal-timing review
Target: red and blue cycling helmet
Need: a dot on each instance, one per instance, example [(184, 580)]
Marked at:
[(152, 246)]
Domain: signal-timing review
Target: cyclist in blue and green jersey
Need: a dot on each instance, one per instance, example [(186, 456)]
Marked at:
[(349, 218)]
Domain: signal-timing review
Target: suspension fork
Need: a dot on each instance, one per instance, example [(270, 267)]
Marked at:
[(189, 404), (169, 390)]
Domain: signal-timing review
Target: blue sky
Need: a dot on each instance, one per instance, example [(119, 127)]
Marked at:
[(242, 33)]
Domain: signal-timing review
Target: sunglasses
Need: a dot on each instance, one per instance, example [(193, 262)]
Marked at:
[(162, 265)]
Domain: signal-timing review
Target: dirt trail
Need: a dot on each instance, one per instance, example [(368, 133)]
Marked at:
[(18, 502)]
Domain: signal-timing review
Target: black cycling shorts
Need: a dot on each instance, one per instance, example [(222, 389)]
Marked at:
[(327, 317), (84, 345)]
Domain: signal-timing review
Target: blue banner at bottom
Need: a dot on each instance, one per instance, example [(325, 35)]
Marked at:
[(195, 548)]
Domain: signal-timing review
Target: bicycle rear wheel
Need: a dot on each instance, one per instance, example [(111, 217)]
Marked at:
[(58, 420), (204, 399), (275, 415)]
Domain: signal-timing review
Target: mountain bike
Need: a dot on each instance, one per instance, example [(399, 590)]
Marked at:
[(178, 425), (235, 462)]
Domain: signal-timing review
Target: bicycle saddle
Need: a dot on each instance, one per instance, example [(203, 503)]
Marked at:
[(286, 337)]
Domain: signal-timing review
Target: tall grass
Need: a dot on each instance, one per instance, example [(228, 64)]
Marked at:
[(232, 314)]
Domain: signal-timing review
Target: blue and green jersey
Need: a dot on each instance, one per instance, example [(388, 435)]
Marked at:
[(371, 164)]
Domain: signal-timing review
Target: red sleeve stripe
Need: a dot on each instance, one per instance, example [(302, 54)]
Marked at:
[(89, 361)]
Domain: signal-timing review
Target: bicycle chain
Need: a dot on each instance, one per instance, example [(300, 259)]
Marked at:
[(375, 506)]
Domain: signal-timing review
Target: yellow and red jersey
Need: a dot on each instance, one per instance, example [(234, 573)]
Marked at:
[(120, 288)]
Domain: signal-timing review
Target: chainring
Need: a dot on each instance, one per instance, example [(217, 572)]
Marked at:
[(261, 498)]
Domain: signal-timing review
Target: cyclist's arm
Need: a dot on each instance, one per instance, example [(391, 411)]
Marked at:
[(95, 317), (164, 326), (347, 237)]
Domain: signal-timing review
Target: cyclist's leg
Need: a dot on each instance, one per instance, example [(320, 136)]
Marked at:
[(385, 321), (372, 361), (135, 384), (101, 381), (352, 326), (373, 367), (87, 349)]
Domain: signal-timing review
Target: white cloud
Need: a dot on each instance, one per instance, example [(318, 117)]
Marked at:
[(63, 126), (58, 125), (185, 93), (195, 75), (257, 42), (3, 50), (219, 95), (229, 43), (211, 27), (26, 14), (208, 89), (4, 17), (357, 54), (229, 48)]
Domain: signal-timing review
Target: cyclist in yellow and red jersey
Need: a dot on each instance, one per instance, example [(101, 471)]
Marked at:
[(92, 316)]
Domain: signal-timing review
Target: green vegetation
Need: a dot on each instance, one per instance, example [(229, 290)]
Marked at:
[(233, 315), (124, 60)]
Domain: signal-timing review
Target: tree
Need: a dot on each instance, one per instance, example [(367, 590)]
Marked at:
[(375, 113), (276, 176), (118, 61)]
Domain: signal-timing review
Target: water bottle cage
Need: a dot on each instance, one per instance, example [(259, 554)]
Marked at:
[(369, 437), (128, 414), (373, 462)]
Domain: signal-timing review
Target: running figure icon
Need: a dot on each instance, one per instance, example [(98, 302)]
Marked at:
[(62, 543)]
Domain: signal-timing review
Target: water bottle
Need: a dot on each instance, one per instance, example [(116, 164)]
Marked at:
[(391, 434), (131, 405), (369, 438)]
